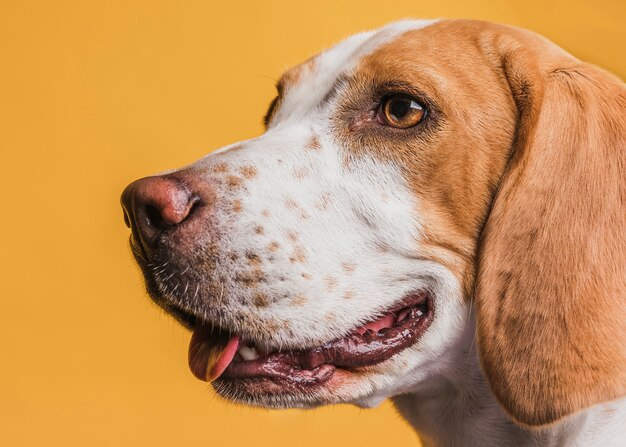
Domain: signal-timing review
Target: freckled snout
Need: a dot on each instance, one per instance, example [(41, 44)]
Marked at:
[(155, 205)]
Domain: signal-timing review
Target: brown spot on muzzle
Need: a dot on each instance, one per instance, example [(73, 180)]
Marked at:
[(331, 283), (220, 168), (348, 267), (275, 325), (300, 172), (247, 171), (291, 203), (324, 201), (253, 259), (260, 300), (298, 255), (251, 278), (314, 143), (234, 182), (299, 300)]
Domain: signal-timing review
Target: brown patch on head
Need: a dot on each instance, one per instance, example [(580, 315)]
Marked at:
[(307, 276), (348, 267), (451, 167), (234, 182), (517, 145), (247, 171), (237, 207), (259, 229), (260, 299), (266, 213), (299, 300), (348, 295), (272, 246), (330, 317), (331, 283), (292, 236), (452, 161), (314, 143), (298, 255)]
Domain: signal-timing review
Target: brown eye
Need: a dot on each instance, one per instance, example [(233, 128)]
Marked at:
[(401, 111)]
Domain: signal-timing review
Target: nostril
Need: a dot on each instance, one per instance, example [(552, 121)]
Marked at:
[(154, 217)]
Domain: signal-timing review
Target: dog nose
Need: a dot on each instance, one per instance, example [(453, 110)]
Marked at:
[(154, 204)]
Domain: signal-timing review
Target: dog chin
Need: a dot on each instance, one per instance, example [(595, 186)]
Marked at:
[(355, 391), (365, 388)]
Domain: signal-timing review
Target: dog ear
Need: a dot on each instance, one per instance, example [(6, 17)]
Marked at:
[(551, 283)]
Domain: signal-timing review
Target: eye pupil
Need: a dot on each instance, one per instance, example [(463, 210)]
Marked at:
[(401, 111), (399, 108)]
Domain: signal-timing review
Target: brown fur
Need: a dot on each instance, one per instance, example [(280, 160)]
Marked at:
[(514, 117), (248, 171), (552, 271)]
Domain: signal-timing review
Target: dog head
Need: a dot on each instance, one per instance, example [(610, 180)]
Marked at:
[(404, 173)]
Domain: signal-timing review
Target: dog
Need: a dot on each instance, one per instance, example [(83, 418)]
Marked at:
[(435, 213)]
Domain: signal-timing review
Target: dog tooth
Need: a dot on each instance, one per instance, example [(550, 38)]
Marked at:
[(248, 353), (403, 315)]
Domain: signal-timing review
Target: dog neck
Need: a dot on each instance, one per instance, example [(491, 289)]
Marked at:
[(458, 408)]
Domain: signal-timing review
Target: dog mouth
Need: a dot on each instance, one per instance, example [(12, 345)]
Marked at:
[(217, 355)]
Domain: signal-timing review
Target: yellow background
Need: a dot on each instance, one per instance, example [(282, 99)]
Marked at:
[(94, 94)]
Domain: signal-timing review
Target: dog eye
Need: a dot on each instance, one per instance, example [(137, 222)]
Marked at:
[(401, 111)]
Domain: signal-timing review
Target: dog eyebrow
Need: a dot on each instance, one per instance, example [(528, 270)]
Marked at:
[(339, 82)]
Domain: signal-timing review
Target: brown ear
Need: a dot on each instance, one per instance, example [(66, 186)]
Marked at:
[(551, 284)]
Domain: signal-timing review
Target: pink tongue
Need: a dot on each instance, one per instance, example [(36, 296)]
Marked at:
[(384, 322), (210, 352)]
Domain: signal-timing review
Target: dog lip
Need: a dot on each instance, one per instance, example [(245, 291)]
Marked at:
[(356, 350)]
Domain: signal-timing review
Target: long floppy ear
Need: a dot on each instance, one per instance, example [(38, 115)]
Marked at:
[(551, 284)]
